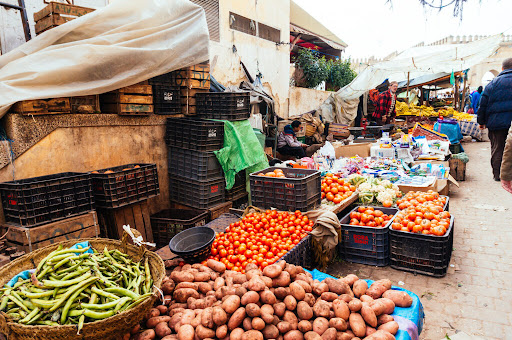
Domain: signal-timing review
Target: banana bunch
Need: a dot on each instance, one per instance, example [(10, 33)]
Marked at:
[(424, 111), (462, 116)]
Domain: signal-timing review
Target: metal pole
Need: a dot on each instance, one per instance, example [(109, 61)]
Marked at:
[(408, 74), (24, 20)]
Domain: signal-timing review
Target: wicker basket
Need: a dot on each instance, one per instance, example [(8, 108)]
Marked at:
[(106, 329)]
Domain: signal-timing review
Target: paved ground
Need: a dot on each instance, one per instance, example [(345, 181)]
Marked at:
[(474, 297)]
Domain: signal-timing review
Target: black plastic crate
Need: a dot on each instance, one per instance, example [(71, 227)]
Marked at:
[(124, 184), (34, 201), (239, 189), (164, 79), (197, 194), (300, 190), (301, 254), (224, 105), (166, 99), (193, 164), (170, 222), (419, 253), (366, 245), (195, 134), (220, 224)]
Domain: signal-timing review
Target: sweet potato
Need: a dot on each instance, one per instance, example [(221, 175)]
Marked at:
[(341, 309), (149, 334), (181, 295), (203, 332), (400, 298), (370, 330), (338, 323), (319, 288), (290, 302), (322, 309), (186, 332), (268, 297), (293, 335), (329, 334), (369, 315), (283, 280), (378, 288), (217, 266), (384, 318), (221, 332), (280, 308), (359, 287), (312, 336), (320, 325), (236, 334), (252, 335), (391, 327), (310, 299), (258, 324), (162, 329), (236, 319), (381, 335), (297, 291), (304, 311), (338, 286), (355, 305), (357, 324), (305, 326), (270, 332), (182, 276), (272, 271), (329, 296), (231, 304), (151, 323)]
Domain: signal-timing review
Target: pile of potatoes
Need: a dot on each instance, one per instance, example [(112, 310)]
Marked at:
[(282, 302)]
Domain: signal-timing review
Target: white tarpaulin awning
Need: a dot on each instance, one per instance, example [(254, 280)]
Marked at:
[(119, 45)]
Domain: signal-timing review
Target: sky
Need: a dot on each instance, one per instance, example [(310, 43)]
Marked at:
[(376, 28)]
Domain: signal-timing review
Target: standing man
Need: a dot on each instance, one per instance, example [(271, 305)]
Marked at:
[(385, 111), (506, 164), (475, 98), (287, 143), (495, 113)]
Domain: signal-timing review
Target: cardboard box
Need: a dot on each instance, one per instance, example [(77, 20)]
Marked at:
[(442, 186), (359, 149)]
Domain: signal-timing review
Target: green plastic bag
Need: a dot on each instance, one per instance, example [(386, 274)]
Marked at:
[(241, 150)]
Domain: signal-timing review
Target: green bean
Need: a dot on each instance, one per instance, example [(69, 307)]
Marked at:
[(122, 302), (137, 301), (18, 300), (19, 283), (122, 291), (46, 323), (71, 291), (43, 262), (98, 315), (148, 276), (64, 257), (108, 305), (44, 272), (75, 312), (125, 279), (69, 269), (14, 316), (46, 304), (67, 283), (36, 295), (61, 263), (75, 273), (80, 324), (70, 301), (30, 315), (104, 293), (34, 319), (5, 300), (117, 265)]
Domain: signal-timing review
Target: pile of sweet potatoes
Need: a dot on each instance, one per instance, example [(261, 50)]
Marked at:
[(281, 302)]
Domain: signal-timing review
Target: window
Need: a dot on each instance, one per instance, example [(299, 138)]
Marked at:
[(242, 24), (269, 33), (211, 8)]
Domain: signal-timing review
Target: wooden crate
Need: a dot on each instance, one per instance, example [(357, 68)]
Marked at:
[(43, 106), (85, 104), (194, 77), (29, 239), (131, 100), (188, 100), (457, 169), (56, 14), (136, 215), (220, 209)]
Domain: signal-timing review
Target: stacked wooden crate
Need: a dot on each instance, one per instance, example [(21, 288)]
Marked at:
[(130, 100), (192, 80), (56, 14)]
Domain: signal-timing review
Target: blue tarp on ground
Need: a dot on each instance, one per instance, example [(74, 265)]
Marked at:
[(409, 319)]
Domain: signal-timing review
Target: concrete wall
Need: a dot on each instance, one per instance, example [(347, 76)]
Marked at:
[(258, 55), (303, 100), (492, 64), (83, 149)]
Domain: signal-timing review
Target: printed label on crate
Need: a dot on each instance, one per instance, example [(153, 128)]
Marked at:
[(168, 96), (214, 189), (212, 133), (361, 239), (240, 103)]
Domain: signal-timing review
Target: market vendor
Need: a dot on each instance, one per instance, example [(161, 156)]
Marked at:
[(287, 143), (385, 111)]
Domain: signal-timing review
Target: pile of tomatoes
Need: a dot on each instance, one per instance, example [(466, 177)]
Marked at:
[(260, 238), (422, 213), (335, 189), (276, 173), (369, 217)]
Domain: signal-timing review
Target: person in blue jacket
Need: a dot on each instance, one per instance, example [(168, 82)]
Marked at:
[(475, 98), (495, 113)]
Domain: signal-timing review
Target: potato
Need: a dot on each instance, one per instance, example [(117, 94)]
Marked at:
[(236, 319), (400, 298), (151, 323), (370, 330), (378, 288), (341, 309), (329, 334), (253, 310), (175, 319), (387, 306), (297, 291), (272, 271), (236, 334), (219, 282), (350, 279), (320, 288), (258, 324), (221, 332), (284, 327), (182, 276), (320, 325), (290, 302), (283, 280), (201, 277), (355, 305), (239, 279), (307, 288), (251, 266), (204, 287), (343, 336), (310, 299), (186, 332), (281, 292), (291, 318), (312, 336), (148, 334), (207, 318), (293, 335), (188, 316), (256, 284), (305, 326), (162, 329), (196, 322), (338, 323), (268, 309), (162, 309), (217, 266), (250, 297), (304, 311), (168, 287), (170, 337), (203, 332), (270, 332), (267, 297), (280, 308), (338, 286), (252, 335), (357, 324), (181, 295), (391, 327), (359, 287), (381, 335), (329, 296), (247, 324), (366, 298), (345, 297), (231, 304), (153, 312), (369, 315), (240, 291), (384, 318), (322, 309)]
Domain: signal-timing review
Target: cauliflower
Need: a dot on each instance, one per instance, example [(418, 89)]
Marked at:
[(378, 188), (365, 187), (384, 196), (386, 183)]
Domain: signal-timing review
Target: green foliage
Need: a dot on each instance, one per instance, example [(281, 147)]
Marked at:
[(340, 74)]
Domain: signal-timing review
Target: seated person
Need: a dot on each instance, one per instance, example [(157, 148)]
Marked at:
[(287, 143)]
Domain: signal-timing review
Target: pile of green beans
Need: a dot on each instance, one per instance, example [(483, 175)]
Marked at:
[(73, 287)]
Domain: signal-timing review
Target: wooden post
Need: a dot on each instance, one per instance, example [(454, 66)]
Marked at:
[(408, 74), (422, 94), (297, 38), (456, 94), (463, 101)]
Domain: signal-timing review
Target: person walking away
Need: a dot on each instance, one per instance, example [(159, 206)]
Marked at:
[(495, 113), (287, 143), (475, 98), (385, 112), (506, 164)]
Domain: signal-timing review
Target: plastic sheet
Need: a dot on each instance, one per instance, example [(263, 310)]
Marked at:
[(410, 320), (119, 45)]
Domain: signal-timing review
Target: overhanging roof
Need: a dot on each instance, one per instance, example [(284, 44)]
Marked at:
[(302, 22), (440, 79)]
